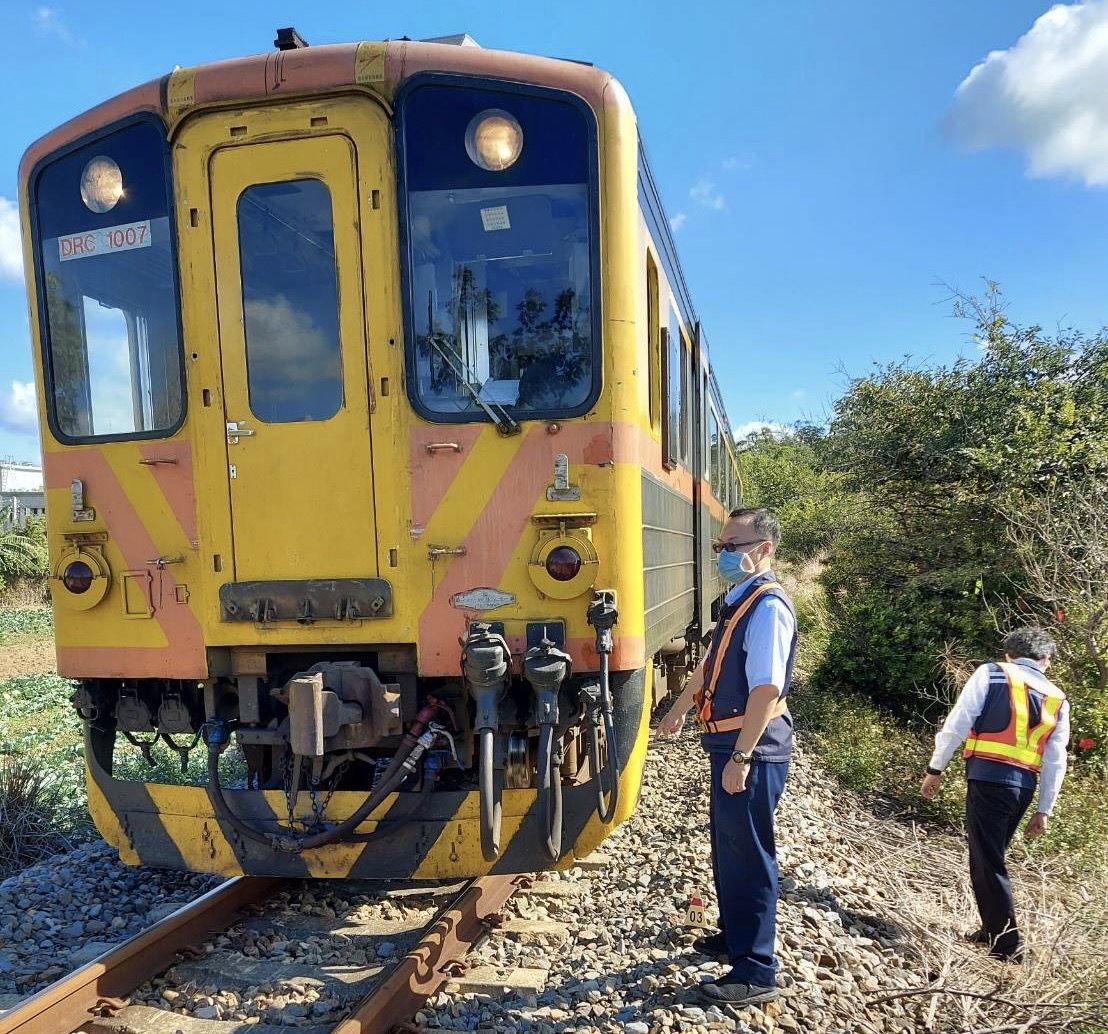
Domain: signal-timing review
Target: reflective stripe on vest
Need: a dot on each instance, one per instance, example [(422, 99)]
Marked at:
[(1019, 744), (707, 690)]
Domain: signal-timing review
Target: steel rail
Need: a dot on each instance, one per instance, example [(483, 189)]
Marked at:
[(422, 971), (67, 1003)]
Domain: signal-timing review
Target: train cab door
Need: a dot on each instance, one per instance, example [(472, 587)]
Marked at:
[(292, 341)]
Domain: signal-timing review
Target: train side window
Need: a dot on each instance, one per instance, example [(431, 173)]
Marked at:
[(686, 403), (653, 342), (290, 301), (675, 429), (713, 451)]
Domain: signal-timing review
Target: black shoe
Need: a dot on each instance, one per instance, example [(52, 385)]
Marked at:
[(977, 937), (728, 991), (711, 944), (1014, 958)]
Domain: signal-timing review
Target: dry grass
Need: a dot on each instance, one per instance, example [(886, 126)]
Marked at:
[(31, 802), (923, 877)]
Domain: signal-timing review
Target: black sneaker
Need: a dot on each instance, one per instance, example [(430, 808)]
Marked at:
[(711, 944), (728, 991), (977, 937)]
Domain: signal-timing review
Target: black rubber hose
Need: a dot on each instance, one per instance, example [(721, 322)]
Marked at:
[(393, 777), (550, 793), (488, 785), (606, 811)]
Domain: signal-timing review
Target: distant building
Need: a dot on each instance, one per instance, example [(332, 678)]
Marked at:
[(21, 493), (20, 477), (16, 507)]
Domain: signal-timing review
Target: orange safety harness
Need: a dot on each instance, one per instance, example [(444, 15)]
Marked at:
[(1020, 743), (714, 666)]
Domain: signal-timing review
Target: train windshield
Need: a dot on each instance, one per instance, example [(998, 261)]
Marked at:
[(501, 297), (108, 282), (500, 280)]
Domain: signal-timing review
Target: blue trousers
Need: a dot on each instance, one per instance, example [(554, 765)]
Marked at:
[(744, 865)]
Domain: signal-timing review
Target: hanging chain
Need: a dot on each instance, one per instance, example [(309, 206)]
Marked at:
[(318, 809), (286, 779)]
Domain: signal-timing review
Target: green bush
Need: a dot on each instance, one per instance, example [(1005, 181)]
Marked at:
[(26, 623)]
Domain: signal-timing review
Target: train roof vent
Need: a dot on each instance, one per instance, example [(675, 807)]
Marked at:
[(460, 39)]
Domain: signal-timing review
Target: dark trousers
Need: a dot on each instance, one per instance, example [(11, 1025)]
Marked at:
[(993, 813), (744, 865)]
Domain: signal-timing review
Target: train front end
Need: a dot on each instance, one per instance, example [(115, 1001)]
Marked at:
[(336, 357)]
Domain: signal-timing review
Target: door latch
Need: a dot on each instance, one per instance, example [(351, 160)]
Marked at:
[(235, 431)]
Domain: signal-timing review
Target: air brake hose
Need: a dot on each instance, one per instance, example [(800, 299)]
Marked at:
[(412, 747), (602, 615), (491, 809), (549, 792)]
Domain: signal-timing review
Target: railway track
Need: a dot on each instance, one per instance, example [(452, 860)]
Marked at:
[(95, 997)]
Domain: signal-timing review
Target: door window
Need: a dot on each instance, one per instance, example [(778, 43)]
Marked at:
[(290, 301)]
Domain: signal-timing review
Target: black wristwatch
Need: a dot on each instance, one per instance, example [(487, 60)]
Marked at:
[(740, 757), (934, 771)]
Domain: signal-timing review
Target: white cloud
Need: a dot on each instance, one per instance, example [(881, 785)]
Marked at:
[(1046, 95), (18, 411), (678, 220), (49, 21), (744, 431), (737, 164), (11, 247), (704, 193)]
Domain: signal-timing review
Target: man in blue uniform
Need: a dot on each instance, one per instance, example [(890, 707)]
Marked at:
[(1015, 722), (740, 692)]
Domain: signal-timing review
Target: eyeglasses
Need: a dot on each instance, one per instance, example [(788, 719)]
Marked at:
[(734, 547)]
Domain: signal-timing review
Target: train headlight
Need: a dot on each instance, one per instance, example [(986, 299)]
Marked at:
[(101, 184), (563, 563), (81, 578), (78, 577), (494, 140)]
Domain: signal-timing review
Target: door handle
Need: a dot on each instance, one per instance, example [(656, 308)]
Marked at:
[(235, 431)]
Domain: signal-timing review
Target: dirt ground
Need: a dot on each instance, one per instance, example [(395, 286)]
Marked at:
[(31, 657)]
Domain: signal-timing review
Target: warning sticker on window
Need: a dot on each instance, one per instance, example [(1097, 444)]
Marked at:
[(495, 218), (103, 242)]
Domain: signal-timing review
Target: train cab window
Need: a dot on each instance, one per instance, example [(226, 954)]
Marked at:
[(501, 255), (108, 283), (290, 301)]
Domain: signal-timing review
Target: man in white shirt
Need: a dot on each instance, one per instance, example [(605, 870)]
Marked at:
[(740, 692), (1016, 724)]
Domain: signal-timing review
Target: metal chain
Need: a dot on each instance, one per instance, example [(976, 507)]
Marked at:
[(286, 779), (318, 810)]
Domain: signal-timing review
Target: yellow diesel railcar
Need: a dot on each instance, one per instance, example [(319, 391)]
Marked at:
[(383, 456)]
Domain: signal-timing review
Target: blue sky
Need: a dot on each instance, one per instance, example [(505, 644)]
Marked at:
[(823, 175)]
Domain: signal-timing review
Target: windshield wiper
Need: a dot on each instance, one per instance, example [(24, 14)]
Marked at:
[(504, 421)]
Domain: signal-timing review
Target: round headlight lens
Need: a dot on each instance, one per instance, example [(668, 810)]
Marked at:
[(563, 564), (494, 140), (77, 577), (101, 184)]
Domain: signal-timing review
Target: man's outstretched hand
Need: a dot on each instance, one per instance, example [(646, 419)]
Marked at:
[(1036, 826), (930, 786), (670, 726)]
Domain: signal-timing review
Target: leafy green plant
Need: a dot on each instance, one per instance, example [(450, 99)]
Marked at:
[(26, 623)]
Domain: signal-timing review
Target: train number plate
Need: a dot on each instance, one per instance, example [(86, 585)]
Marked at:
[(125, 237)]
